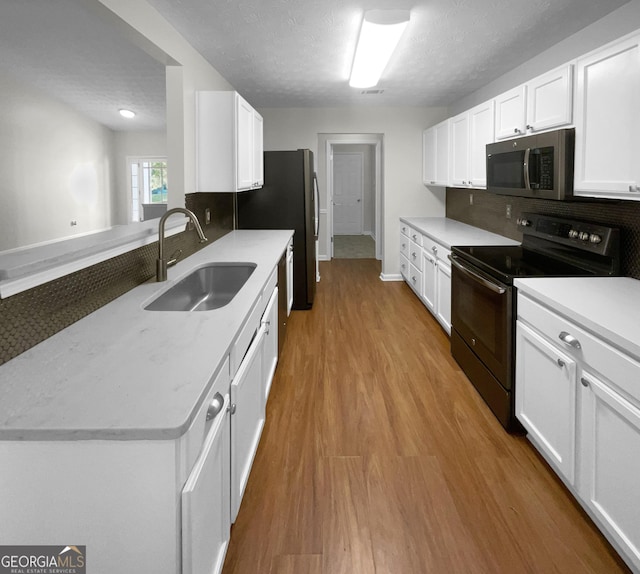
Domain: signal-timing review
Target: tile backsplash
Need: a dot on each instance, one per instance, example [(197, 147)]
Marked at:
[(489, 212), (32, 316)]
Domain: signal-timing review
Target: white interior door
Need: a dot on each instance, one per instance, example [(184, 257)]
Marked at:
[(348, 181)]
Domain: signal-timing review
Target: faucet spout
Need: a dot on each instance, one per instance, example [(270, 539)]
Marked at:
[(161, 262)]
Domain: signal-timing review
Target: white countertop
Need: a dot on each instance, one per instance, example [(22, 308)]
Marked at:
[(608, 307), (449, 232), (125, 373)]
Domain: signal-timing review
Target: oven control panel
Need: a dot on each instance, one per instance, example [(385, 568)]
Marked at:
[(585, 236)]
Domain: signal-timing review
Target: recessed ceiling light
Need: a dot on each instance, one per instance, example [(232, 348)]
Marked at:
[(127, 114)]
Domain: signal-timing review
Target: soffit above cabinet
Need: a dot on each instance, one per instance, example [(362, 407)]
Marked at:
[(281, 53)]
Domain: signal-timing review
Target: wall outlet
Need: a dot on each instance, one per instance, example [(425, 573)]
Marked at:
[(471, 199), (508, 211), (207, 216)]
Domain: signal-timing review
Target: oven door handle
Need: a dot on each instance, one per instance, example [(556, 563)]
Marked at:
[(491, 286)]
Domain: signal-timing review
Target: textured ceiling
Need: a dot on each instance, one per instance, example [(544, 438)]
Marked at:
[(281, 53), (65, 49), (299, 52)]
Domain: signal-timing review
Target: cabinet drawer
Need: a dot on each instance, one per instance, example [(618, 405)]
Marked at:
[(610, 363), (436, 249), (270, 286), (246, 335), (404, 245), (404, 267), (415, 236), (415, 278), (415, 255), (199, 428)]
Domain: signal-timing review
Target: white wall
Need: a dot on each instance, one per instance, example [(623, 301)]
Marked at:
[(403, 192), (56, 166), (622, 21), (133, 144)]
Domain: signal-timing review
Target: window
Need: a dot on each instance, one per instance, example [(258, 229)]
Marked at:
[(148, 178)]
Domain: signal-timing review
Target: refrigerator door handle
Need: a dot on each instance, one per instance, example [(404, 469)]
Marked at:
[(316, 215)]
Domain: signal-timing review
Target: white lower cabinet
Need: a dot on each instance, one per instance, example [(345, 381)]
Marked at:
[(270, 348), (247, 420), (610, 462), (578, 399), (546, 398), (206, 510), (424, 265)]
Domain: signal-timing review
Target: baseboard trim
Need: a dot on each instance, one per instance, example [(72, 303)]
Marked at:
[(391, 277)]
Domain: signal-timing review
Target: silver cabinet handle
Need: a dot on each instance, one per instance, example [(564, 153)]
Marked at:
[(215, 407), (561, 363), (516, 130), (569, 340), (529, 127), (584, 382), (232, 408), (634, 188), (434, 249), (414, 255), (415, 237), (414, 279)]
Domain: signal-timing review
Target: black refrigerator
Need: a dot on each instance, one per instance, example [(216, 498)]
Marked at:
[(288, 200)]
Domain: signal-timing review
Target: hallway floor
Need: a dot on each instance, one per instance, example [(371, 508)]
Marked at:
[(378, 456), (354, 247)]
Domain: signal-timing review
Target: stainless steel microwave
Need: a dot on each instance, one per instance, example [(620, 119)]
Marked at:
[(539, 165)]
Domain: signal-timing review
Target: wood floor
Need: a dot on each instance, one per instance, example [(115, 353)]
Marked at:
[(379, 457)]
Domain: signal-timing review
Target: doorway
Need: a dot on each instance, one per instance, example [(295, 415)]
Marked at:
[(354, 195)]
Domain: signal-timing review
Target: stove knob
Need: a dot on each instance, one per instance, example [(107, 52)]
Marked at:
[(594, 238), (584, 236), (573, 233)]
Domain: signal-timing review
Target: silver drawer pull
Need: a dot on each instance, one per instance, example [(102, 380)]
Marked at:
[(584, 382), (215, 407), (414, 279), (414, 255), (561, 363), (569, 340), (434, 249)]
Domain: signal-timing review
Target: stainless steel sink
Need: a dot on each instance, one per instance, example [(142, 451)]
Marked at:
[(206, 288)]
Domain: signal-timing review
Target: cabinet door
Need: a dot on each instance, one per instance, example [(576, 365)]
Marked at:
[(429, 156), (460, 150), (481, 126), (610, 462), (429, 280), (247, 420), (258, 149), (545, 390), (244, 145), (443, 295), (608, 121), (206, 520), (550, 99), (270, 349), (510, 113), (442, 153)]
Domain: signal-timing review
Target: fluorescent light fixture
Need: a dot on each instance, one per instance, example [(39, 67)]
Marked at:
[(127, 114), (380, 33)]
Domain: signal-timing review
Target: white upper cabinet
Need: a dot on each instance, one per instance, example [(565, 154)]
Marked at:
[(229, 143), (608, 122), (541, 104), (471, 131), (550, 99), (459, 150), (510, 113), (435, 159)]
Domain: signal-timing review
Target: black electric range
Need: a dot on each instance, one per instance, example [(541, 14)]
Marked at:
[(483, 301)]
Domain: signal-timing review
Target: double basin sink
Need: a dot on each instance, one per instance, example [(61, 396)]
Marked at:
[(206, 288)]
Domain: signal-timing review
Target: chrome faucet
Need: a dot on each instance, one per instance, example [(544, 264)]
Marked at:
[(161, 262)]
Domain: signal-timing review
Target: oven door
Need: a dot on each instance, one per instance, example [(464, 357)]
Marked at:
[(482, 315)]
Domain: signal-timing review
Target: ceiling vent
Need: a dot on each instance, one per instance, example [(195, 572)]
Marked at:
[(371, 92)]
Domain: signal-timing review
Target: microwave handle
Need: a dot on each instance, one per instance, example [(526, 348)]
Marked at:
[(527, 178)]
